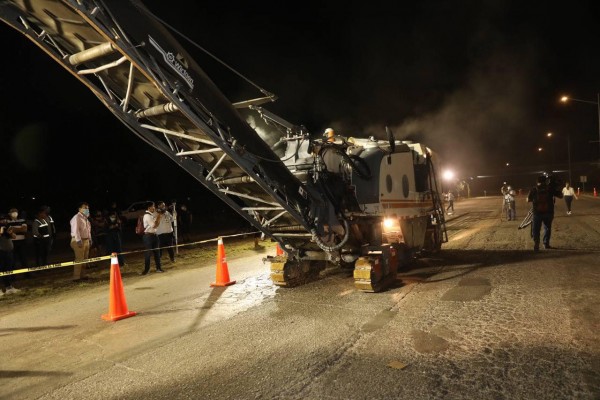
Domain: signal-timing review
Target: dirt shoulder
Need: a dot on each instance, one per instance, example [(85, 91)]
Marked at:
[(45, 284)]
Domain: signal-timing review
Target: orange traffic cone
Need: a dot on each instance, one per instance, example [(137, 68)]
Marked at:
[(117, 305), (595, 193), (222, 271), (279, 251)]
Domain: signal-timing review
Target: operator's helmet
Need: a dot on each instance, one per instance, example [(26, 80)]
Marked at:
[(329, 134)]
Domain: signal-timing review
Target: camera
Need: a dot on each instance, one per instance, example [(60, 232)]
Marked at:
[(6, 230)]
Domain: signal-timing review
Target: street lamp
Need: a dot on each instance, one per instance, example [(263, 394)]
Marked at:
[(565, 99), (448, 176)]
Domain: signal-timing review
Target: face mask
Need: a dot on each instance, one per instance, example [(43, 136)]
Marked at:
[(113, 219), (14, 215), (86, 212)]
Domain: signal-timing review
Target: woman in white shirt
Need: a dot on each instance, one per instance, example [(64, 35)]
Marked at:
[(568, 194)]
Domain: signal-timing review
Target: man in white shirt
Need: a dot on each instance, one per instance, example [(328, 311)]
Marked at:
[(151, 221)]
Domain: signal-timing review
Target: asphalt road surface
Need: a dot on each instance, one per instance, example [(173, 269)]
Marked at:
[(486, 318)]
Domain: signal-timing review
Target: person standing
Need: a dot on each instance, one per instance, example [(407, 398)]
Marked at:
[(6, 259), (510, 204), (151, 221), (81, 239), (19, 228), (568, 194), (450, 198), (165, 230), (184, 221), (51, 227), (542, 198), (99, 225), (114, 242), (41, 237)]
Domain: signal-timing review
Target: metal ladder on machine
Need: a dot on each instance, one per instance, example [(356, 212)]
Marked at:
[(438, 206), (160, 101)]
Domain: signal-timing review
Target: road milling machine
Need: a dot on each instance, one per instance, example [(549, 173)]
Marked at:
[(357, 203)]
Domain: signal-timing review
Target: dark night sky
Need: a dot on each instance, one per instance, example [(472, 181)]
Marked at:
[(477, 81)]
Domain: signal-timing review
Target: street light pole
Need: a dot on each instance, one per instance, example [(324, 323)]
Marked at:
[(549, 136), (564, 99), (569, 151)]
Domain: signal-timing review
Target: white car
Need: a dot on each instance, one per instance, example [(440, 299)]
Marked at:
[(136, 209)]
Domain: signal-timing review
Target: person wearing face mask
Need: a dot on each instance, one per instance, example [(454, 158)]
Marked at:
[(42, 239), (114, 236), (81, 239), (19, 228), (151, 221)]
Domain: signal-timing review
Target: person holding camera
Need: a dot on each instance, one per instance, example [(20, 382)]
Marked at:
[(542, 197), (19, 226), (151, 221), (165, 230)]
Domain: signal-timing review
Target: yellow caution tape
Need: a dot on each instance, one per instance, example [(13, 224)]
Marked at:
[(94, 259), (50, 266)]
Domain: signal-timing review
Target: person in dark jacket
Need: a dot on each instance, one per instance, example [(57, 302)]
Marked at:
[(42, 237), (114, 229), (542, 197)]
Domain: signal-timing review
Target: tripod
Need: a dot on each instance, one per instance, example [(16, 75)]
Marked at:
[(528, 219)]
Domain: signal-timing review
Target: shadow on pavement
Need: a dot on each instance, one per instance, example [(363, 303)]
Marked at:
[(467, 261)]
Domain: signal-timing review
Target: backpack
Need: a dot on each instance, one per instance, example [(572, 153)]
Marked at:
[(139, 227), (541, 201)]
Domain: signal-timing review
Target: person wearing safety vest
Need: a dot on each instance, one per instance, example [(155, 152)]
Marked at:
[(42, 238), (51, 227)]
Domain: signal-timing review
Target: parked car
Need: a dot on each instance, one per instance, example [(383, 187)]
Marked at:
[(131, 213)]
